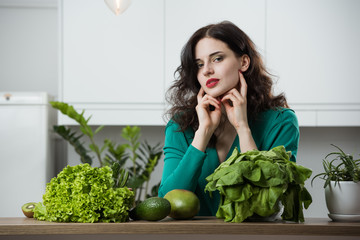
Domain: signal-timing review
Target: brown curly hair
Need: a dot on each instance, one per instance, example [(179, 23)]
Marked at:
[(182, 95)]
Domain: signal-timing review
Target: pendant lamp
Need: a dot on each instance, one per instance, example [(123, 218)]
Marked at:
[(118, 6)]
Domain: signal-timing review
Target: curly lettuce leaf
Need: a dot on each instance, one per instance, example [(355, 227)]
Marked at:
[(84, 194)]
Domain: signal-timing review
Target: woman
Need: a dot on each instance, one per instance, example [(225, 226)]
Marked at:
[(223, 99)]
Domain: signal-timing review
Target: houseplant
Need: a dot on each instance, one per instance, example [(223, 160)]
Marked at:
[(131, 162), (342, 186)]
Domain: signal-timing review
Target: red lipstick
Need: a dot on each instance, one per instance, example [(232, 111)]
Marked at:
[(212, 82)]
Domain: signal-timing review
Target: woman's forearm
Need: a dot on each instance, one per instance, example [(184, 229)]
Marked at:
[(181, 171), (246, 139), (201, 139)]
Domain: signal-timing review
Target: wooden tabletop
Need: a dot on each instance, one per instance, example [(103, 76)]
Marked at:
[(198, 225)]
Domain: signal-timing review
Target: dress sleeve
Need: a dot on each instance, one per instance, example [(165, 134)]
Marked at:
[(182, 161), (285, 132)]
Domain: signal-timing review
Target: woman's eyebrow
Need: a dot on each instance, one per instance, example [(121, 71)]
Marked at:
[(210, 55)]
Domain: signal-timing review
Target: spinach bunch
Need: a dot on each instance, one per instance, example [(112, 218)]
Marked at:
[(255, 182)]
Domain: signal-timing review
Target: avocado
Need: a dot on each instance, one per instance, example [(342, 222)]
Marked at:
[(151, 209)]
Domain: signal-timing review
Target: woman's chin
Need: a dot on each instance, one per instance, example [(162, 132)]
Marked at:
[(217, 95)]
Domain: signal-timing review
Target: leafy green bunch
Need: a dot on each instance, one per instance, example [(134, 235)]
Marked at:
[(141, 157), (341, 168), (84, 194), (255, 182)]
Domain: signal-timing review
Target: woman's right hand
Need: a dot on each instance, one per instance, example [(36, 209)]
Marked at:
[(209, 120)]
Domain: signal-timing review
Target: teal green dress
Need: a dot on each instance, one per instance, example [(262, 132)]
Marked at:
[(186, 167)]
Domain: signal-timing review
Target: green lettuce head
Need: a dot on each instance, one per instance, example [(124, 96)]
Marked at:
[(254, 182), (84, 194)]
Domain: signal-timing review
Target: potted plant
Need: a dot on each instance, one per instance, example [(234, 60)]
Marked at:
[(342, 186), (132, 162)]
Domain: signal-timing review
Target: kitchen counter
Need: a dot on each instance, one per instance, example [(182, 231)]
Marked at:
[(25, 228)]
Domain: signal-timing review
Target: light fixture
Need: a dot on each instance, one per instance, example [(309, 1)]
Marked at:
[(118, 6)]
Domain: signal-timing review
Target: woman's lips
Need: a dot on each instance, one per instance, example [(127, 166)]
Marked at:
[(212, 82)]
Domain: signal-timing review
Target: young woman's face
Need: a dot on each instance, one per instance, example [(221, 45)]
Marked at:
[(218, 67)]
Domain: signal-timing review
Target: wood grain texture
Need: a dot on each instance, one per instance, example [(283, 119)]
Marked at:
[(198, 225)]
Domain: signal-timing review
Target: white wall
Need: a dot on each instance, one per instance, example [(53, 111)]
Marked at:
[(28, 62)]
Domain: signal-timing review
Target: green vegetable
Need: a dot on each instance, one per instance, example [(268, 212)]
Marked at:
[(151, 209), (254, 182), (84, 194)]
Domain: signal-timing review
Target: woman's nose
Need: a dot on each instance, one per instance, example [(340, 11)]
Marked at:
[(207, 69)]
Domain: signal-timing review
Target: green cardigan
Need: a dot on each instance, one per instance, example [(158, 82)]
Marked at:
[(186, 167)]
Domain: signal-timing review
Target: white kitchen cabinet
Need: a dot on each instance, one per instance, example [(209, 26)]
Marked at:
[(113, 66), (313, 48)]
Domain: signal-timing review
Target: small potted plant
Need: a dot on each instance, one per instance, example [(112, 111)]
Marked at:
[(342, 186)]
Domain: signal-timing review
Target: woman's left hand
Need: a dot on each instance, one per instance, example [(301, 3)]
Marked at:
[(235, 104)]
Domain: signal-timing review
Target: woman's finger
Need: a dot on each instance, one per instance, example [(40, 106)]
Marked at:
[(202, 97), (201, 94), (243, 85), (208, 102), (235, 93), (229, 100), (237, 98)]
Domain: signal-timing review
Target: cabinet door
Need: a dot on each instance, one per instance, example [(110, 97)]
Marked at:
[(184, 17), (313, 47), (108, 59)]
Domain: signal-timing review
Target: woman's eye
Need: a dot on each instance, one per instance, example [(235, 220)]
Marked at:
[(199, 65), (218, 59)]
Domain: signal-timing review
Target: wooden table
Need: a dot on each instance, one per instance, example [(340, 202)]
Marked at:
[(199, 227)]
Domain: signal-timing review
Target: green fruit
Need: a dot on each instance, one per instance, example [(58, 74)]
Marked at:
[(151, 209), (28, 209), (184, 204)]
